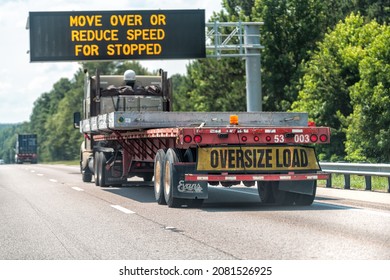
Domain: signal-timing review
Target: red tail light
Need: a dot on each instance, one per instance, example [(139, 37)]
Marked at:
[(187, 139), (313, 138), (197, 138), (323, 137)]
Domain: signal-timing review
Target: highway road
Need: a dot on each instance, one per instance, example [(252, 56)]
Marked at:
[(47, 212)]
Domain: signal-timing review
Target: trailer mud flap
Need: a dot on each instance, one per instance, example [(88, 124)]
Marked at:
[(303, 187), (188, 189)]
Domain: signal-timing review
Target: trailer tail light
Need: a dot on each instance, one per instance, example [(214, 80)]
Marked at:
[(187, 139), (268, 138), (244, 138), (313, 138), (256, 138), (197, 138), (323, 137)]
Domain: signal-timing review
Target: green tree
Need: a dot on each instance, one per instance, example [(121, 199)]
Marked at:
[(368, 133), (331, 76), (291, 30)]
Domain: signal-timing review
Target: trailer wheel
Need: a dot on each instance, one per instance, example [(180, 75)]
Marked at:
[(96, 167), (265, 190), (306, 199), (171, 157), (159, 177)]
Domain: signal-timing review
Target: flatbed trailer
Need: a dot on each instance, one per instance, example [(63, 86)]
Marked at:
[(185, 152)]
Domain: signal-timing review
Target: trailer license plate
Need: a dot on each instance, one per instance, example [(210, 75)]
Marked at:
[(257, 158)]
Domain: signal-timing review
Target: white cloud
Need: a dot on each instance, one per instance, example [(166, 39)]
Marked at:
[(22, 82)]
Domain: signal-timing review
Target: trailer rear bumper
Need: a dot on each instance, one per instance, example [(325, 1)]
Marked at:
[(257, 177)]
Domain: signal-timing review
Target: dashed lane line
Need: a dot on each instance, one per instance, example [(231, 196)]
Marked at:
[(78, 189), (122, 209)]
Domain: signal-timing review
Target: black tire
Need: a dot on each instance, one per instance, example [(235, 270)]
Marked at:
[(306, 199), (159, 177), (265, 191), (171, 157), (102, 171), (86, 175), (189, 156), (96, 164)]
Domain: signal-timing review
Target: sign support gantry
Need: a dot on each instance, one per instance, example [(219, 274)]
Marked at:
[(239, 39)]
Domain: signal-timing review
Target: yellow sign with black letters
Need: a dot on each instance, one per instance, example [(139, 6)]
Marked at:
[(257, 158)]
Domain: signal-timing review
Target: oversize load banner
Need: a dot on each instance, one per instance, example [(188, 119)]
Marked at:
[(257, 158), (117, 35)]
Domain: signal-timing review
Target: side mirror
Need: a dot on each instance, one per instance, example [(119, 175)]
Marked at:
[(76, 119)]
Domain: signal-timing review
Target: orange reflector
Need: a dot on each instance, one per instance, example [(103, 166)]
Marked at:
[(233, 119)]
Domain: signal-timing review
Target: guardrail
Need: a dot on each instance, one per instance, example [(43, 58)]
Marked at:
[(362, 169)]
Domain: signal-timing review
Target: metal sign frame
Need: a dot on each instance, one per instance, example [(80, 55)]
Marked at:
[(239, 39)]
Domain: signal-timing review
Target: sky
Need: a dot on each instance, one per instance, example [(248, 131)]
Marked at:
[(22, 82)]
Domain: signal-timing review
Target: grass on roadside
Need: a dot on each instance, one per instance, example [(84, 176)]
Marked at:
[(358, 182)]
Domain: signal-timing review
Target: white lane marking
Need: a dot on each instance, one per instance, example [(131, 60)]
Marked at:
[(122, 209), (32, 171), (78, 189), (39, 174), (53, 180)]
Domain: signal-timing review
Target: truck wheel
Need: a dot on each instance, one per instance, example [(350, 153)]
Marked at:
[(159, 177), (306, 199), (86, 176), (96, 164), (265, 190), (171, 157), (102, 171)]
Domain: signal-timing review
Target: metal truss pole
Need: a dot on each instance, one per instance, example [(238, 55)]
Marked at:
[(253, 68), (225, 40)]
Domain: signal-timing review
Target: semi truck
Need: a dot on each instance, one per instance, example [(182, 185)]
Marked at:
[(26, 148), (133, 132)]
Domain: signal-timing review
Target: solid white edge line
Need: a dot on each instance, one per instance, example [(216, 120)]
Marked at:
[(122, 209)]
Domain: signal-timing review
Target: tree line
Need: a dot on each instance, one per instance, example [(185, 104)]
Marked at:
[(327, 58)]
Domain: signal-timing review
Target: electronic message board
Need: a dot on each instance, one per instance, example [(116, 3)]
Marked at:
[(117, 35)]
